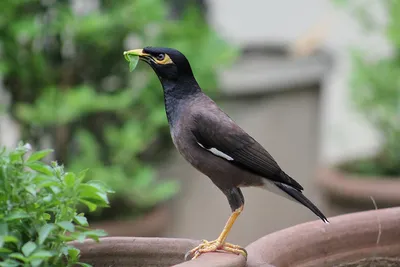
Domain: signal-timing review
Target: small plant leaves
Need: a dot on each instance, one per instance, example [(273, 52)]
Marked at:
[(4, 250), (67, 226), (16, 215), (81, 220), (46, 216), (93, 193), (3, 229), (41, 254), (40, 205), (18, 256), (28, 248), (10, 239), (45, 231), (40, 167), (9, 263), (39, 155), (31, 189), (16, 156), (91, 206), (36, 262), (73, 253), (95, 234), (69, 179)]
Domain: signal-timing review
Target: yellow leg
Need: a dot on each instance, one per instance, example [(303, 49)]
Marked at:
[(219, 243)]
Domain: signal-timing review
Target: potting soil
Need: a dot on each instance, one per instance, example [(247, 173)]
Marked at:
[(372, 262)]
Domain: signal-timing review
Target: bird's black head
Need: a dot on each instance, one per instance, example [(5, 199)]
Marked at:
[(169, 64), (174, 73)]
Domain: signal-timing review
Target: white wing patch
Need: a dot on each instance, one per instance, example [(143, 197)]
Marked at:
[(217, 153), (271, 186)]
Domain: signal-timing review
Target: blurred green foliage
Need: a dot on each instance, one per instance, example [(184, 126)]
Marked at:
[(38, 210), (69, 83), (375, 83)]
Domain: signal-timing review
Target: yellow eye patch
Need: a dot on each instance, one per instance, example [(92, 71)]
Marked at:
[(164, 61)]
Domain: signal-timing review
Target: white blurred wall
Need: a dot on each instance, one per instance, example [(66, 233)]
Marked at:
[(344, 133)]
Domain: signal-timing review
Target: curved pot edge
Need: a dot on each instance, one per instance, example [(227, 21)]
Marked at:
[(347, 236), (341, 185), (215, 259), (133, 251)]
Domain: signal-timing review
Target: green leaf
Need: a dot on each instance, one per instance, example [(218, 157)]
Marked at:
[(44, 232), (10, 263), (18, 256), (10, 239), (31, 189), (39, 155), (81, 220), (45, 181), (133, 61), (40, 167), (73, 253), (3, 229), (46, 216), (93, 192), (55, 189), (16, 156), (69, 179), (80, 237), (81, 175), (16, 215), (28, 248), (5, 250), (83, 264), (92, 207), (100, 185), (67, 226), (95, 234), (41, 254), (68, 238), (36, 262)]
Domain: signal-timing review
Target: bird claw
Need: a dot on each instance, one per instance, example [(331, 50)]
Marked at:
[(213, 246)]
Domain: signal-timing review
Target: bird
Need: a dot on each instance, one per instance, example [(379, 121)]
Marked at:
[(214, 144)]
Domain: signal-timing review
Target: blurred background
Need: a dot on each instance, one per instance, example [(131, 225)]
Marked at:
[(316, 82)]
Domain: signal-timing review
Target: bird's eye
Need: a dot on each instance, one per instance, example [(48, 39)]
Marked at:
[(160, 57)]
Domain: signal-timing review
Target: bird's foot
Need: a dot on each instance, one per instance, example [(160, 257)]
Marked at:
[(212, 246)]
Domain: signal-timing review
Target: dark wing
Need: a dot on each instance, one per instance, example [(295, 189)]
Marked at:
[(218, 131)]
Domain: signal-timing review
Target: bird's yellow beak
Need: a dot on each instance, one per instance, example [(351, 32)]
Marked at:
[(133, 56), (135, 52)]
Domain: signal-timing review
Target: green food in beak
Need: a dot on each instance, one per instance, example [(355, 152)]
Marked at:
[(132, 59)]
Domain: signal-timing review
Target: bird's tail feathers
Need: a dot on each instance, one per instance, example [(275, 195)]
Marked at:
[(297, 195), (290, 181)]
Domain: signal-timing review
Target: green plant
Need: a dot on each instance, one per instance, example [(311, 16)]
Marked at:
[(69, 85), (375, 85), (38, 210)]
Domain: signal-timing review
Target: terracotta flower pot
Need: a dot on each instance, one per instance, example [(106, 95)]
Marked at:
[(150, 252), (149, 225), (358, 237), (347, 189)]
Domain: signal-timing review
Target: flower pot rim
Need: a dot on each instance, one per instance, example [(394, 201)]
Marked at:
[(345, 185), (122, 250), (347, 237)]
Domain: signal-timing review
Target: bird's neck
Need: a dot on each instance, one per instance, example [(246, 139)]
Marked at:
[(176, 94)]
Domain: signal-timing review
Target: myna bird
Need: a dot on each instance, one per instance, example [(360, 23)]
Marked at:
[(214, 144)]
